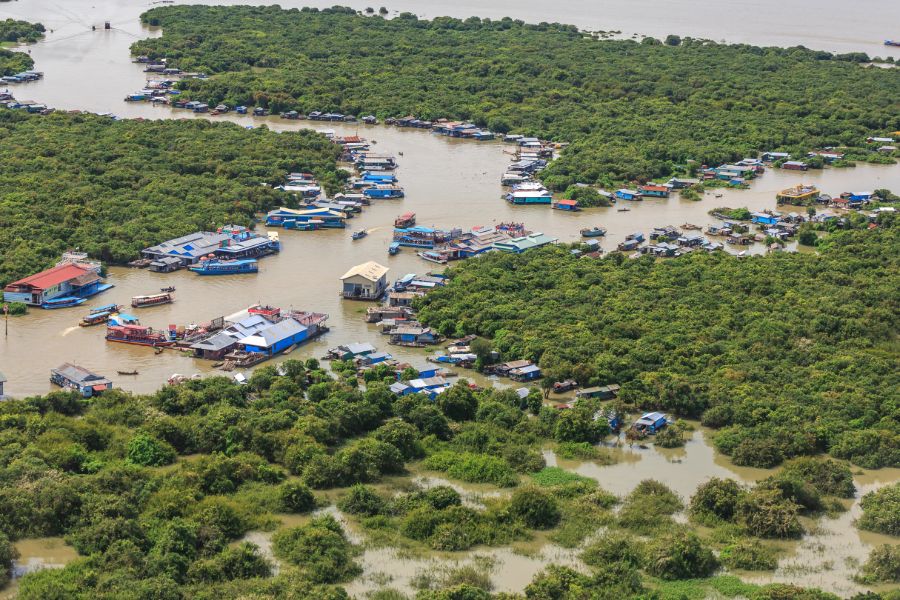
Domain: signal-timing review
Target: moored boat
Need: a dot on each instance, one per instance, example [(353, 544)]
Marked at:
[(394, 248), (151, 300), (593, 232), (405, 220), (127, 372), (64, 302), (138, 335), (214, 266), (271, 312)]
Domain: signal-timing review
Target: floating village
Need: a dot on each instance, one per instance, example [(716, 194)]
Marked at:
[(260, 332)]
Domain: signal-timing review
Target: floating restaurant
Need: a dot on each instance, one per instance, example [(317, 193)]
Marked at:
[(231, 241), (367, 281), (307, 219)]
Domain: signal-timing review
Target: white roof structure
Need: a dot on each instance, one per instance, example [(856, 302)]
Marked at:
[(370, 270)]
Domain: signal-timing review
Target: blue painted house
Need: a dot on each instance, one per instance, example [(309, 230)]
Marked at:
[(527, 373), (624, 194), (276, 338), (78, 379), (764, 218)]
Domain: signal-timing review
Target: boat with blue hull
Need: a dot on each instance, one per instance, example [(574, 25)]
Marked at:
[(64, 302), (225, 267)]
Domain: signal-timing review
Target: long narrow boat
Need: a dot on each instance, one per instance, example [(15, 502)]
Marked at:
[(225, 267), (95, 318), (64, 302), (137, 335), (405, 220), (151, 300)]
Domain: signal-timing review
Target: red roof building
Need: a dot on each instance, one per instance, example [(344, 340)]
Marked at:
[(59, 281)]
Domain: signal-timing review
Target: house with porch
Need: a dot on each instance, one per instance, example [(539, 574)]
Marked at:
[(66, 280), (366, 281)]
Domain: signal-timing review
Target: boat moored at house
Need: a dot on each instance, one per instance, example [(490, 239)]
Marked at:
[(67, 284), (214, 266), (138, 335)]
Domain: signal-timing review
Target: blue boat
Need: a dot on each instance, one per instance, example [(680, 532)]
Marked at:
[(358, 235), (215, 266), (64, 302), (394, 248), (383, 192), (107, 308)]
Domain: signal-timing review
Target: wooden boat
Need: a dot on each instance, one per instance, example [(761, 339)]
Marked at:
[(138, 335), (394, 248), (95, 318), (151, 300), (690, 226), (358, 235), (169, 289), (225, 267), (405, 220), (127, 372), (435, 257), (623, 209), (593, 232), (64, 302)]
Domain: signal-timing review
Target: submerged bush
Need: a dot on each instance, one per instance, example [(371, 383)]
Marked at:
[(614, 547), (475, 468), (881, 510), (680, 556), (827, 476), (320, 549), (767, 514), (883, 565), (535, 507), (362, 500), (716, 499), (295, 497), (749, 555)]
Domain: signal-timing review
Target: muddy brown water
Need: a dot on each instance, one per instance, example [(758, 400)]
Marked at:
[(448, 183)]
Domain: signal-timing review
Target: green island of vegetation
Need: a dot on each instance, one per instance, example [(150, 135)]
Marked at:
[(113, 187), (786, 355), (14, 62), (630, 110), (157, 492), (12, 30)]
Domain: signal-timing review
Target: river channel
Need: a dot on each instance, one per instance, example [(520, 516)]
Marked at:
[(448, 183)]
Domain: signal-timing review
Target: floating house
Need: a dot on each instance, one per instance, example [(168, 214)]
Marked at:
[(367, 281), (624, 194), (348, 351), (231, 241), (795, 165), (654, 191), (800, 194), (762, 218), (64, 284), (306, 219), (417, 337), (382, 192), (79, 379), (774, 156), (605, 392), (680, 184), (569, 205), (219, 344), (167, 264), (277, 337), (527, 373), (529, 197), (369, 360), (650, 423), (521, 244)]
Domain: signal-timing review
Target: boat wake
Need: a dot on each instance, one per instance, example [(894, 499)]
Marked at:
[(69, 330)]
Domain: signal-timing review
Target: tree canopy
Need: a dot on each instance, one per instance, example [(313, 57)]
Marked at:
[(787, 354), (630, 110), (113, 187)]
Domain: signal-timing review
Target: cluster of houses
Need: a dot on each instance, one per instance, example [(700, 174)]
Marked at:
[(23, 77), (254, 335), (442, 246), (532, 156), (227, 243), (7, 100), (375, 181)]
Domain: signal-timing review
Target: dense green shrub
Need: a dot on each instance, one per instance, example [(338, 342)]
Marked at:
[(362, 500), (615, 547), (881, 510), (749, 555), (680, 556), (7, 554), (827, 476), (148, 451), (767, 514), (535, 507), (320, 549), (716, 499), (883, 565), (476, 468), (12, 30), (295, 497)]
